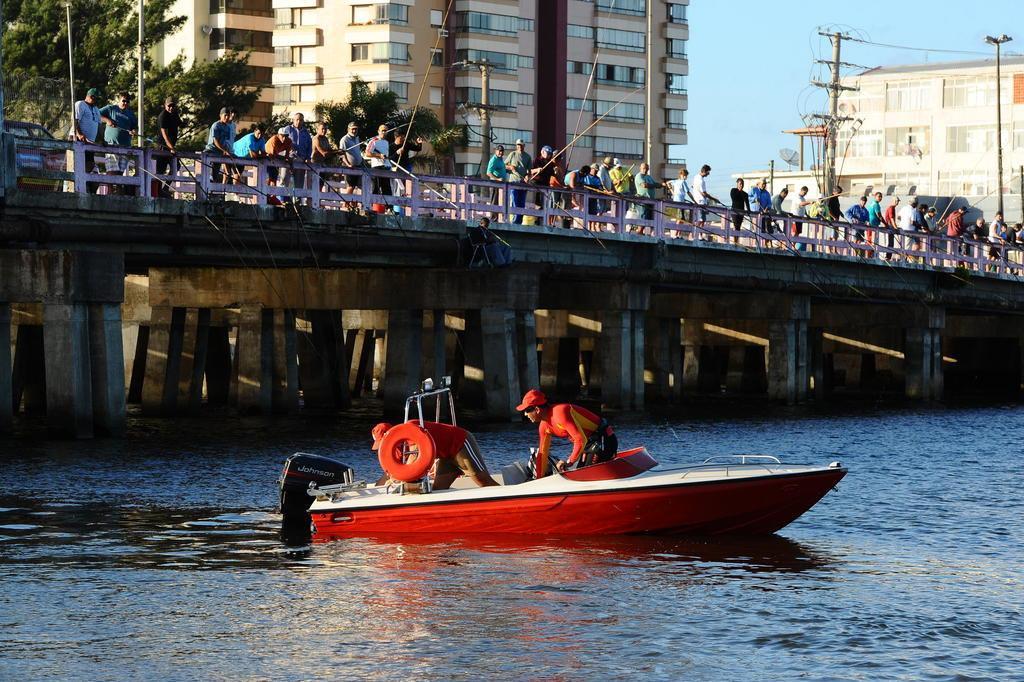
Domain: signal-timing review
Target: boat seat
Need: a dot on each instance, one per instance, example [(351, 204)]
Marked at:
[(516, 472)]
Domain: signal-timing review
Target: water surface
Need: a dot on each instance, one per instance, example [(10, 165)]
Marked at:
[(158, 557)]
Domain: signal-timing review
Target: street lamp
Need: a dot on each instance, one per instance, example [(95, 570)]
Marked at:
[(999, 115)]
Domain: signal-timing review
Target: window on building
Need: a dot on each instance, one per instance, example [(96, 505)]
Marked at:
[(674, 154), (307, 55), (283, 94), (615, 39), (906, 141), (258, 8), (1018, 136), (436, 56), (970, 139), (618, 146), (614, 74), (307, 93), (909, 183), (503, 62), (676, 13), (622, 111), (260, 75), (380, 13), (524, 99), (493, 24), (399, 88), (852, 143), (286, 18), (632, 7), (283, 56), (436, 96), (976, 183), (675, 118), (579, 31), (381, 53), (969, 92), (584, 68), (908, 95), (241, 40), (574, 104), (436, 18), (675, 83), (586, 141), (505, 136), (676, 48), (1018, 88), (503, 100)]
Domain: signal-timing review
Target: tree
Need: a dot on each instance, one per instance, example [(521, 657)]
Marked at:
[(369, 109), (105, 35)]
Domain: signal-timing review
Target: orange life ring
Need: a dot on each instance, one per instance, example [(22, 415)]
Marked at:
[(406, 452)]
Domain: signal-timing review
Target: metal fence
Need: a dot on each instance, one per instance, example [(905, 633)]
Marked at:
[(154, 173)]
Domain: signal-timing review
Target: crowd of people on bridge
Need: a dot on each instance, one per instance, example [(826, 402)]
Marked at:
[(588, 188)]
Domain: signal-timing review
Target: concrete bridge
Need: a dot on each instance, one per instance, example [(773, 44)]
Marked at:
[(192, 304)]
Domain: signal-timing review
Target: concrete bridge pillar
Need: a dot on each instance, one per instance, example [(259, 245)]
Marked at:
[(404, 343), (28, 375), (622, 359), (788, 360), (107, 368), (697, 370), (922, 354), (284, 393), (218, 365), (6, 371), (254, 360), (500, 364), (664, 359), (323, 361), (526, 350), (68, 380)]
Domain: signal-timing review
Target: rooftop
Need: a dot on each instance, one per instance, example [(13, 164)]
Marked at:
[(943, 66)]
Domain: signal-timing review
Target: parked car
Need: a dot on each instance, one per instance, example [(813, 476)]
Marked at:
[(36, 159)]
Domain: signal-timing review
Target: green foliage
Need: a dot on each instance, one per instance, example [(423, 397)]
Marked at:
[(105, 35), (369, 109)]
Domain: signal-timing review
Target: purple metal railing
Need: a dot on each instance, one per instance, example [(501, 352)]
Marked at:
[(324, 187)]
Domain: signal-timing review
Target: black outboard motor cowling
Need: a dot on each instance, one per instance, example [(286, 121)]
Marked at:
[(300, 470)]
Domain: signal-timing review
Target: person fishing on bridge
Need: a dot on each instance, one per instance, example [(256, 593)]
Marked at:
[(593, 439), (456, 451)]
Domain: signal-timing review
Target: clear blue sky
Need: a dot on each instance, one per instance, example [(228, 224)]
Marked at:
[(750, 64)]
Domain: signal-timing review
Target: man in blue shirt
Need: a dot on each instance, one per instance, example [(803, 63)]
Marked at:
[(874, 215), (252, 145), (122, 125), (761, 202), (858, 215), (497, 171), (219, 142), (302, 143)]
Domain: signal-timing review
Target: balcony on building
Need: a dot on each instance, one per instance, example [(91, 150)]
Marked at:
[(301, 74), (302, 36), (253, 8)]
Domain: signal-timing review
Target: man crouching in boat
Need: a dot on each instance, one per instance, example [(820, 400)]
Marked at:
[(593, 439), (456, 452)]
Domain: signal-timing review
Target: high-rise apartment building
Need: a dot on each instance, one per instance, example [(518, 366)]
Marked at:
[(541, 56), (212, 27)]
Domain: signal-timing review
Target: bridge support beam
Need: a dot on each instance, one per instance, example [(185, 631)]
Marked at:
[(500, 366), (526, 350), (285, 384), (664, 360), (621, 364), (922, 353), (254, 360), (106, 353), (404, 342), (788, 360), (68, 369), (6, 371), (28, 376)]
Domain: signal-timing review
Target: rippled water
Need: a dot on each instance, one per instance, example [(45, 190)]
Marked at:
[(157, 557)]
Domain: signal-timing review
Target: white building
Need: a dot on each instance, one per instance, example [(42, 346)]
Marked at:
[(926, 129)]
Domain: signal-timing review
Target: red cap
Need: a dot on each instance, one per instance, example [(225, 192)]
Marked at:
[(533, 398), (378, 434)]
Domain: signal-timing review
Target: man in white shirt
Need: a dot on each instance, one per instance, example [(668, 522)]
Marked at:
[(679, 190), (377, 151), (700, 193)]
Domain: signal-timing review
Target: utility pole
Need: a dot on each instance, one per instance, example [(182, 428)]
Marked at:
[(832, 120), (142, 83), (71, 65), (999, 115), (771, 176), (483, 109)]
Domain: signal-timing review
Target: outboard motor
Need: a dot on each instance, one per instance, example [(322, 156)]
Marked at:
[(300, 470)]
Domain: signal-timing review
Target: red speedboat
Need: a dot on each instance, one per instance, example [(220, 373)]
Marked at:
[(629, 494)]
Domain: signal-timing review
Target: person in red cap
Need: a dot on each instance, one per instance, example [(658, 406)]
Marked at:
[(456, 452), (593, 439)]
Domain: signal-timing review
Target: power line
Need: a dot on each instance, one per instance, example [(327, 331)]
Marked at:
[(923, 49)]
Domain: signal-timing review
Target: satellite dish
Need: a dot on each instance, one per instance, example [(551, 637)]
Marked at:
[(790, 156)]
